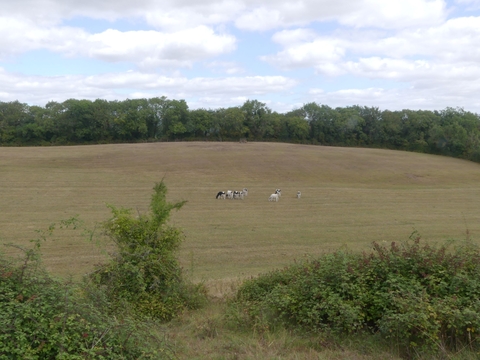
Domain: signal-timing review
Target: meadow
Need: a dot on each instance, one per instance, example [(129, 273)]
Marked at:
[(350, 197)]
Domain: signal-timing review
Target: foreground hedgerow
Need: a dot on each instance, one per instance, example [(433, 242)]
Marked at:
[(42, 318), (423, 298)]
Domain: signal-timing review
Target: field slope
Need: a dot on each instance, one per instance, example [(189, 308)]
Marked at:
[(350, 197)]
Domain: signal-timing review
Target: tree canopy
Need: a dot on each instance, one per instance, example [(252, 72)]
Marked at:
[(451, 131)]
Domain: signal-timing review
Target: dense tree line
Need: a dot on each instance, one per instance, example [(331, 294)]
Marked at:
[(452, 131)]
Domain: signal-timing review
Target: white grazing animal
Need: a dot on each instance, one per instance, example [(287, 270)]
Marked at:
[(273, 197)]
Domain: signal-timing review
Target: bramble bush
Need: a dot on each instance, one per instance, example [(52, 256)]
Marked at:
[(144, 272), (42, 318), (423, 298)]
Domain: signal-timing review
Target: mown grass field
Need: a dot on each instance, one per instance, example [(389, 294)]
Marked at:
[(350, 197)]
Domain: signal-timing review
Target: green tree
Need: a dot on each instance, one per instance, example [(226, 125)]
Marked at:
[(275, 126), (349, 124), (13, 116), (228, 123), (200, 123), (320, 120), (103, 118), (157, 108), (389, 135), (79, 120), (175, 119), (255, 118), (129, 120), (456, 133), (297, 128), (372, 124), (416, 127), (450, 139)]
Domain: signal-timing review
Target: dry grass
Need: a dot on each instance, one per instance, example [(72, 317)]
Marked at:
[(350, 197), (205, 334)]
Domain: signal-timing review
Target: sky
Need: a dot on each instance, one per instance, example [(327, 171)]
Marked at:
[(390, 54)]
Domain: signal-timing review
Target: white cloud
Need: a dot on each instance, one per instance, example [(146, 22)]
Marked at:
[(261, 18), (147, 49), (246, 86), (398, 99), (41, 89), (178, 15), (265, 15), (169, 15), (54, 11), (19, 36), (396, 14), (227, 67), (293, 37), (413, 71), (247, 14), (455, 40), (392, 14), (320, 53), (151, 49), (454, 44)]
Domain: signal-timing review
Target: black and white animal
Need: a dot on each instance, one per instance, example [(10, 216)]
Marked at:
[(229, 194), (299, 194), (279, 192), (238, 194), (221, 195), (245, 191)]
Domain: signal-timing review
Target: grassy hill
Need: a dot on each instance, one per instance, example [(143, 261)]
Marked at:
[(350, 197)]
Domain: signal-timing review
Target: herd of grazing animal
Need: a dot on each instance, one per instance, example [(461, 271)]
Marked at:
[(232, 194), (229, 194)]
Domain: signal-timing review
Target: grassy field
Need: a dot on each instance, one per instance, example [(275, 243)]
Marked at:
[(350, 197)]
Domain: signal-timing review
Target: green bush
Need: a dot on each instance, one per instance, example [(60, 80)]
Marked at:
[(144, 271), (41, 318), (423, 298)]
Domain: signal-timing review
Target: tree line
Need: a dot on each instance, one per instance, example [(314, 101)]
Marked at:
[(452, 131)]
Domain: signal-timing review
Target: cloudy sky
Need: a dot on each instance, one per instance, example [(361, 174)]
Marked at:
[(395, 54)]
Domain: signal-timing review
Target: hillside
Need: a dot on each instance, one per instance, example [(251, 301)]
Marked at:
[(350, 197)]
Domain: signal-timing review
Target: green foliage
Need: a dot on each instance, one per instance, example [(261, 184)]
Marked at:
[(452, 132), (229, 123), (255, 114), (175, 118), (41, 318), (423, 298), (144, 271)]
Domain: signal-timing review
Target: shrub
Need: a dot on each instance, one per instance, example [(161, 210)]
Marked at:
[(144, 271), (41, 318), (422, 297)]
